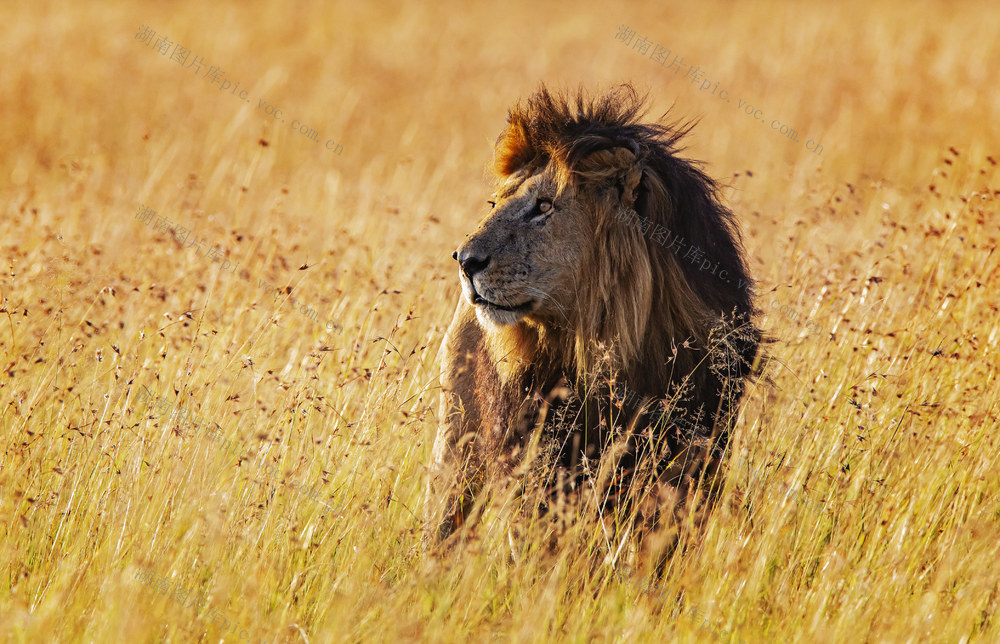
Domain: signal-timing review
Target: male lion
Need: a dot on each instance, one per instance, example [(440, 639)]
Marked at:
[(569, 312)]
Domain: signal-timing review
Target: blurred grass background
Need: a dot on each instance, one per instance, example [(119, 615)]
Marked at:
[(885, 421)]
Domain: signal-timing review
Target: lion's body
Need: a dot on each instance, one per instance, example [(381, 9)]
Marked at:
[(566, 307)]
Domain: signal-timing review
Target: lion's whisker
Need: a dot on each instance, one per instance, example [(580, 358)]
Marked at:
[(534, 291)]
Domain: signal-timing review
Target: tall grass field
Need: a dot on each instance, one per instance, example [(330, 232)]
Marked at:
[(226, 234)]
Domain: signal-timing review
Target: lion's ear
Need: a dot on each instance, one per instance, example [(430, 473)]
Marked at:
[(616, 167), (512, 150), (629, 177)]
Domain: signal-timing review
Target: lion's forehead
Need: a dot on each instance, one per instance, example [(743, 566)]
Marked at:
[(521, 183), (512, 186)]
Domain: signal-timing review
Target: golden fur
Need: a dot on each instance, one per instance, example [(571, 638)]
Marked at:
[(566, 307)]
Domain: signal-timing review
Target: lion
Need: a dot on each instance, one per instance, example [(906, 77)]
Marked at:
[(579, 327)]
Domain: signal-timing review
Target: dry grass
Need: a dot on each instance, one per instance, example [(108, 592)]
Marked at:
[(883, 422)]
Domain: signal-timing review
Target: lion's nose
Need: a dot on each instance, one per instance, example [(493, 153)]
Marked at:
[(471, 263)]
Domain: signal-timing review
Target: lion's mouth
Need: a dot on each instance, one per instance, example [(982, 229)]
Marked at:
[(479, 300)]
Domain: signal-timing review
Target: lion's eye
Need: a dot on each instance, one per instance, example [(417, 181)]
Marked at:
[(540, 213), (492, 204)]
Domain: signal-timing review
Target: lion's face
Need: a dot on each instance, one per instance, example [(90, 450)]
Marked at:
[(524, 257)]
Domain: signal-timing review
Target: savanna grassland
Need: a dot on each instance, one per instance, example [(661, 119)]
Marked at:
[(160, 416)]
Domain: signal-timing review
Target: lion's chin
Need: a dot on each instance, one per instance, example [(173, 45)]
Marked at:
[(490, 316)]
